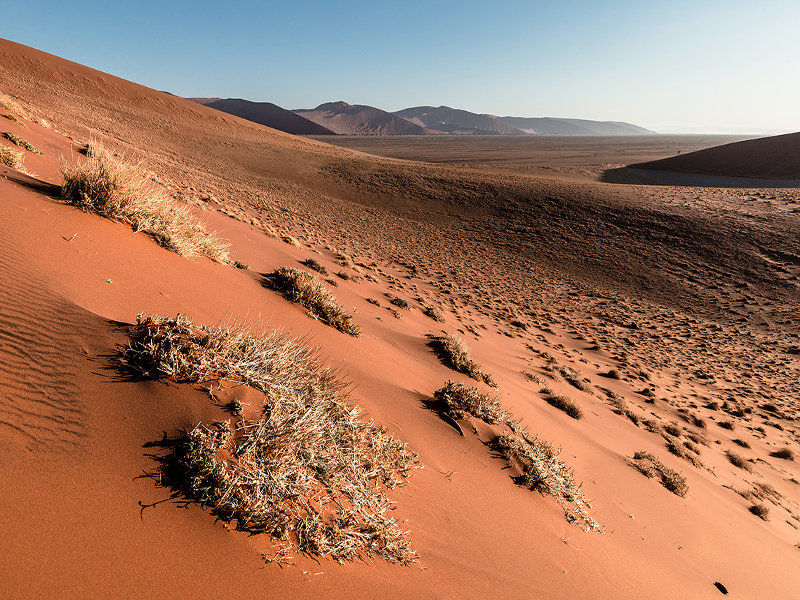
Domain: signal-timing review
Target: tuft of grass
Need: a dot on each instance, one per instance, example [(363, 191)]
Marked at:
[(462, 401), (621, 407), (455, 354), (12, 158), (21, 142), (785, 453), (741, 443), (737, 460), (566, 404), (305, 289), (314, 266), (434, 313), (309, 472), (543, 471), (650, 466), (574, 379), (398, 302), (760, 510), (121, 191), (7, 103), (726, 425)]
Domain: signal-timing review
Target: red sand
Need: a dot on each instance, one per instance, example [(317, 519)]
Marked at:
[(75, 432)]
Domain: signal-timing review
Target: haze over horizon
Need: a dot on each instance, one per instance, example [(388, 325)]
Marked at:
[(678, 68)]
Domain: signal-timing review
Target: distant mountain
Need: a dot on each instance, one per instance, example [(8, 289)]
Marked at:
[(358, 119), (776, 157), (556, 126), (456, 121), (265, 113)]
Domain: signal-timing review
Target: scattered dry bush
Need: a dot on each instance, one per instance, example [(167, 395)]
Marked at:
[(314, 266), (650, 466), (309, 472), (543, 471), (455, 354), (12, 158), (462, 401), (117, 190), (21, 142), (566, 404), (9, 104), (574, 379), (686, 451), (737, 460), (434, 313), (741, 443), (785, 453), (760, 510), (305, 289), (621, 407)]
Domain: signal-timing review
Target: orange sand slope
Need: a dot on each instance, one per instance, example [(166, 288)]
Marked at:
[(776, 157), (636, 355)]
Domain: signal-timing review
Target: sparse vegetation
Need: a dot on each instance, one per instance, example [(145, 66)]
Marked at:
[(305, 289), (650, 466), (21, 142), (11, 158), (543, 471), (563, 403), (308, 472), (621, 407), (456, 355), (462, 401), (434, 313), (785, 453), (314, 266), (726, 425), (114, 189), (574, 379), (737, 460), (741, 443), (760, 510), (7, 103)]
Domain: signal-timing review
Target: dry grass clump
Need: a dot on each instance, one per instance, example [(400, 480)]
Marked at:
[(687, 451), (21, 142), (621, 408), (785, 453), (737, 460), (456, 355), (11, 158), (7, 103), (305, 289), (462, 401), (117, 190), (434, 313), (650, 466), (308, 472), (563, 403), (573, 378), (543, 471), (740, 442), (314, 266), (760, 510)]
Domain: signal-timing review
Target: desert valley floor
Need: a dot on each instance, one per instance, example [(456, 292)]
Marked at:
[(662, 305)]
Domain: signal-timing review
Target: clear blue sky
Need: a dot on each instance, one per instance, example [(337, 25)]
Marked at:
[(704, 64)]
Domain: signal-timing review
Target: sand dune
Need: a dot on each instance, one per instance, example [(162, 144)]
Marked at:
[(665, 314), (265, 113), (452, 120), (358, 119), (776, 157)]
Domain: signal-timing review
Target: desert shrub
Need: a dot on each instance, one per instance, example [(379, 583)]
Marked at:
[(462, 401), (566, 404), (434, 313), (785, 453), (305, 289), (543, 471), (726, 425), (10, 105), (737, 460), (760, 510), (398, 302), (650, 466), (11, 158), (741, 443), (621, 407), (314, 266), (117, 190), (456, 355), (686, 451), (574, 378), (309, 472), (611, 374), (672, 429), (21, 142)]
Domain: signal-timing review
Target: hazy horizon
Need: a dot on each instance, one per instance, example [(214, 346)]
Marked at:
[(718, 67)]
